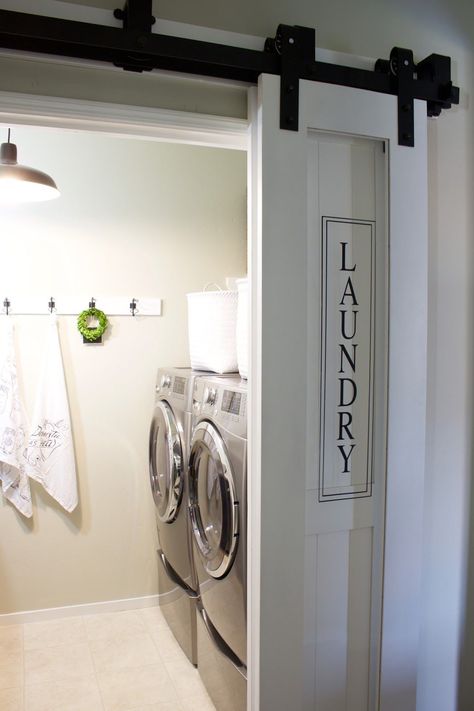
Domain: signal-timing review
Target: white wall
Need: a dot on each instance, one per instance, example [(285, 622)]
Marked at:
[(136, 218)]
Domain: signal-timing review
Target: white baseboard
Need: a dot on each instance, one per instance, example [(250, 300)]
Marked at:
[(92, 608)]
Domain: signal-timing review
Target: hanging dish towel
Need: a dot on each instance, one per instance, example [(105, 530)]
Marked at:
[(49, 454), (13, 429)]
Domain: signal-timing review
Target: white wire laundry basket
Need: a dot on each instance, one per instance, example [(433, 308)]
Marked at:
[(212, 324), (242, 327)]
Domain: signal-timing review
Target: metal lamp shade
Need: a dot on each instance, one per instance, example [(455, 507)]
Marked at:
[(19, 183)]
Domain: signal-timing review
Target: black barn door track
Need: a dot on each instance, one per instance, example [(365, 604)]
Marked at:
[(290, 55)]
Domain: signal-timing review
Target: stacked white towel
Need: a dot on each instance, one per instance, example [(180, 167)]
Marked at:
[(13, 428), (49, 454)]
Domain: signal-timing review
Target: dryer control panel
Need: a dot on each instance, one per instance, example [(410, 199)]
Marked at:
[(223, 401)]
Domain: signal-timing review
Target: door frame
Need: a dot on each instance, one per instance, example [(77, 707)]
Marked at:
[(123, 120)]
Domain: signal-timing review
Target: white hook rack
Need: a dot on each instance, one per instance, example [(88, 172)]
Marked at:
[(72, 306)]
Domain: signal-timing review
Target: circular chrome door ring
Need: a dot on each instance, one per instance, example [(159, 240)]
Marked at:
[(207, 442), (167, 485)]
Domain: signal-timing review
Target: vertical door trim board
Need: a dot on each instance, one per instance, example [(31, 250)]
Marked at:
[(254, 488), (406, 435)]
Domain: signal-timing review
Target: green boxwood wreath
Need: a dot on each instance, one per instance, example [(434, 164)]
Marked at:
[(92, 334)]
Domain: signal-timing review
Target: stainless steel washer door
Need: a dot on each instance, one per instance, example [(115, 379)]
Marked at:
[(214, 509), (165, 462)]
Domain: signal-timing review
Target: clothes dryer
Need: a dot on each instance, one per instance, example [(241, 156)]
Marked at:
[(218, 515), (168, 455)]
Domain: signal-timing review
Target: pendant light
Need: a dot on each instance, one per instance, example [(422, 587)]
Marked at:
[(18, 183)]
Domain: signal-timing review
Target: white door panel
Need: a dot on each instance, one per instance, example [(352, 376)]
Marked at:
[(347, 327), (338, 507)]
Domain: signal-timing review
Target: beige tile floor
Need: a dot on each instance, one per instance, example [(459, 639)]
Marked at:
[(121, 661)]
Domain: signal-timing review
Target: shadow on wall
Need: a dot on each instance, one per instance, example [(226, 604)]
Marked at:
[(466, 676), (466, 662), (42, 500)]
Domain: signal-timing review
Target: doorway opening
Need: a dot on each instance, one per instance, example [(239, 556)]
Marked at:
[(139, 217)]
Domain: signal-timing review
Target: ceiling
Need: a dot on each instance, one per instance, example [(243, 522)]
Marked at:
[(107, 4)]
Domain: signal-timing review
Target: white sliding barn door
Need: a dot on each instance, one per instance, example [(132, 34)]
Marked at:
[(338, 264), (346, 425)]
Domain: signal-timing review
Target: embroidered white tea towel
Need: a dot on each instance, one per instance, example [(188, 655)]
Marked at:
[(49, 452), (13, 428)]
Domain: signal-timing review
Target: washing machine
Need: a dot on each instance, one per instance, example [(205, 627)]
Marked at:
[(218, 514), (168, 455)]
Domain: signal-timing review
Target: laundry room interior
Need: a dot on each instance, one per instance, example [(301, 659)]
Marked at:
[(137, 219)]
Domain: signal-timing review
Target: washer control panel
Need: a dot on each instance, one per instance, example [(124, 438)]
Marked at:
[(232, 402), (172, 386)]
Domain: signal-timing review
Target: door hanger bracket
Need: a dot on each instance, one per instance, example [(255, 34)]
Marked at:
[(137, 18), (296, 47), (401, 69), (429, 79)]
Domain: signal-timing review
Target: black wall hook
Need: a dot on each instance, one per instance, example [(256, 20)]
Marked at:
[(6, 304), (92, 303), (51, 304), (133, 306)]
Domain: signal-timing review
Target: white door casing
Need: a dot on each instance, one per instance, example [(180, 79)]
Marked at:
[(284, 510)]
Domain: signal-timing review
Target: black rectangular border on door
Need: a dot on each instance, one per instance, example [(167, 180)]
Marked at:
[(367, 491)]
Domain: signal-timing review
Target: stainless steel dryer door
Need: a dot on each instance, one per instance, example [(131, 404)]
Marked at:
[(214, 509), (166, 462)]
